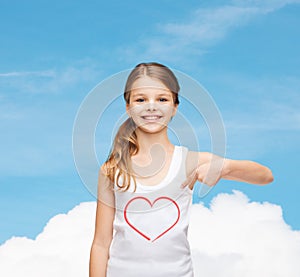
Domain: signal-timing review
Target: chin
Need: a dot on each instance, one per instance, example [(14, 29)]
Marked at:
[(152, 130)]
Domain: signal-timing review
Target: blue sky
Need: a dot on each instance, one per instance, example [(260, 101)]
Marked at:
[(245, 53)]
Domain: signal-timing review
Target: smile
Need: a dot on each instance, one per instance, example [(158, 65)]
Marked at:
[(151, 117)]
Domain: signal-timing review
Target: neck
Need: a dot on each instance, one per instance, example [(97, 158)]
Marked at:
[(159, 141)]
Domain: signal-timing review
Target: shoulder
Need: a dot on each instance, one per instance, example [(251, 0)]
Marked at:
[(106, 174), (194, 159)]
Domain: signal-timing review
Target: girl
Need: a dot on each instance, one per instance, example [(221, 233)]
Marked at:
[(145, 186)]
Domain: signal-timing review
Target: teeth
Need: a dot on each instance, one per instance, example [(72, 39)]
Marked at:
[(151, 117)]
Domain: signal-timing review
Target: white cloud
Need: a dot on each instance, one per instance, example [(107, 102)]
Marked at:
[(266, 5), (46, 73), (62, 248), (54, 80), (233, 237), (204, 27), (209, 25)]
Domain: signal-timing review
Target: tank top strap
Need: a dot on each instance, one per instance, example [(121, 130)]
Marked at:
[(182, 159)]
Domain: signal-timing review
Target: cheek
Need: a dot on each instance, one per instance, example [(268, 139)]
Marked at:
[(136, 109), (166, 109)]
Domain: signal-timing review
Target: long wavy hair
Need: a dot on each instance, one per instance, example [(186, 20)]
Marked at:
[(125, 143)]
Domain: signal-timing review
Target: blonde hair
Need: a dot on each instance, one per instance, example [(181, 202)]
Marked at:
[(125, 143)]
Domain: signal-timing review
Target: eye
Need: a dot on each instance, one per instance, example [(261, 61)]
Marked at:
[(139, 100), (163, 99)]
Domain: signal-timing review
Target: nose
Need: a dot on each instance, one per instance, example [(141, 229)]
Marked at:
[(151, 106)]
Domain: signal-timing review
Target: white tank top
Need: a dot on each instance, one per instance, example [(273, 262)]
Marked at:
[(151, 226)]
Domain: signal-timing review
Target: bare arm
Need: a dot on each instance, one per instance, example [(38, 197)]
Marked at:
[(247, 171), (105, 212), (208, 168)]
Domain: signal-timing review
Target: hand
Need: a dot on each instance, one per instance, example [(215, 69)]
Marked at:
[(208, 173)]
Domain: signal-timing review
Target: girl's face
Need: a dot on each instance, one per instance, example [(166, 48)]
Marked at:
[(151, 104)]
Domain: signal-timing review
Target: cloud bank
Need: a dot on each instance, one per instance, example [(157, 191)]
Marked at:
[(236, 237), (233, 237)]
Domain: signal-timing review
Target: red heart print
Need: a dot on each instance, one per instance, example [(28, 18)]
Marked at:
[(151, 204)]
